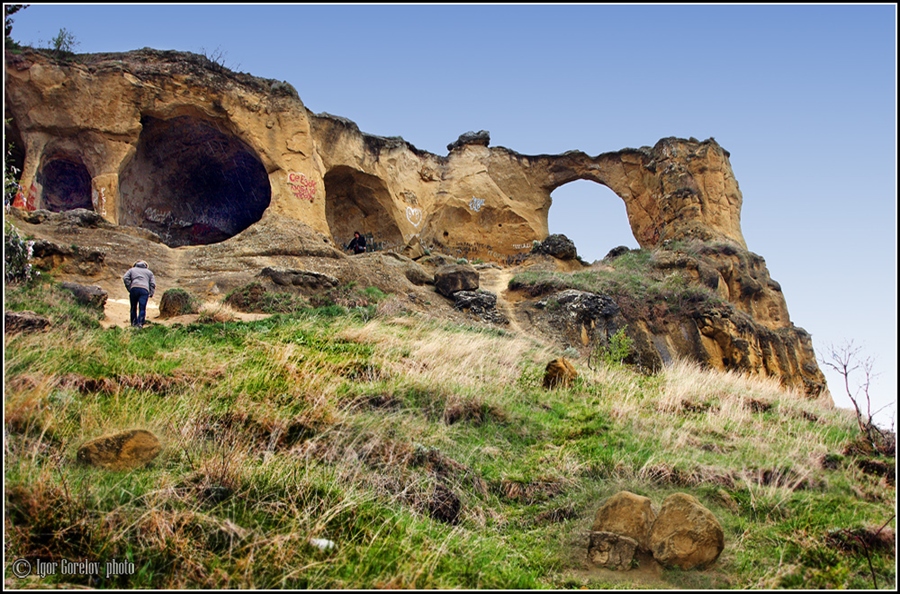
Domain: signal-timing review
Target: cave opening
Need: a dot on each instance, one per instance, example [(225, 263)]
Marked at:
[(592, 216), (357, 201), (65, 183), (191, 183)]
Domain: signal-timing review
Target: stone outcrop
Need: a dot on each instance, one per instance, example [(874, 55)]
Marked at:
[(24, 322), (92, 296), (454, 278), (212, 176), (176, 144), (626, 514)]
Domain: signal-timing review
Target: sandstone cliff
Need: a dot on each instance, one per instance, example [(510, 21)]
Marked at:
[(217, 174)]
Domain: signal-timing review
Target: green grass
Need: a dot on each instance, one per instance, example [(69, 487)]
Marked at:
[(335, 422)]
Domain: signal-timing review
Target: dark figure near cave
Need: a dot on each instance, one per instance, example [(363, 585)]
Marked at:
[(357, 244)]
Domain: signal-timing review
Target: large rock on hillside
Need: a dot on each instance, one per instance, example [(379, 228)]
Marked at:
[(454, 278), (686, 534), (626, 514), (125, 450)]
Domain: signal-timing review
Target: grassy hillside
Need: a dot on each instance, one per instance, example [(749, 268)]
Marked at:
[(427, 453)]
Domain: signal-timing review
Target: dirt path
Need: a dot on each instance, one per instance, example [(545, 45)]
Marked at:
[(496, 281)]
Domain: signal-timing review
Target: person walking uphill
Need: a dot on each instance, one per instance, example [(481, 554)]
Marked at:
[(357, 244), (141, 285)]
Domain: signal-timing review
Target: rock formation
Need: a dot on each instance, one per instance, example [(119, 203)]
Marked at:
[(215, 175), (176, 144)]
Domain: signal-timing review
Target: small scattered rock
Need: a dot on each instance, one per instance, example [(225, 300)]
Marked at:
[(120, 451), (24, 321), (559, 373), (611, 550)]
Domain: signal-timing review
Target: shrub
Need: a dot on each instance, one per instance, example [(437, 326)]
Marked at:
[(177, 302), (17, 254)]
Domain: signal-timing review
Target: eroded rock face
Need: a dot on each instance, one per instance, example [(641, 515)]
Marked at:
[(169, 157), (173, 143)]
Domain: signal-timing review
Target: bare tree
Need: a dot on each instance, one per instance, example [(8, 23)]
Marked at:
[(846, 360)]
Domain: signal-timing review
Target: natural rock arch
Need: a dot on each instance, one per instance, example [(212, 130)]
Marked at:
[(66, 184), (357, 201), (192, 183), (594, 202)]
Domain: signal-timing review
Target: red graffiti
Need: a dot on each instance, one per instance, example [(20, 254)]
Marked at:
[(29, 202), (301, 186)]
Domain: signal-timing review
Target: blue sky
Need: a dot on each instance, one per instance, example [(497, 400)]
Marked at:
[(804, 97)]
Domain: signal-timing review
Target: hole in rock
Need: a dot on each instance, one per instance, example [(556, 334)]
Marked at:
[(357, 201), (191, 183), (66, 185), (592, 216)]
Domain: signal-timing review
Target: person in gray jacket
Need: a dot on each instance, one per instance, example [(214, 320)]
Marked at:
[(141, 285)]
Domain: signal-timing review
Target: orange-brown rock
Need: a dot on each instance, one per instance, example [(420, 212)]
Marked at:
[(559, 373), (686, 534), (626, 514), (121, 451), (196, 153)]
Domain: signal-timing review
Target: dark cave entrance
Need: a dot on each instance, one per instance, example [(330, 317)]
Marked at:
[(191, 183), (357, 201), (592, 216), (66, 184)]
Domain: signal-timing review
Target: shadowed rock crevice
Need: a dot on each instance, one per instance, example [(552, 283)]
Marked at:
[(191, 183)]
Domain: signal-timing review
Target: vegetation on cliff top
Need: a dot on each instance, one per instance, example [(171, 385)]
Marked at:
[(426, 453)]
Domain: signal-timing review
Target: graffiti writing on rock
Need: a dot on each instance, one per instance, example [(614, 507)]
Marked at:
[(301, 186), (414, 215), (29, 201), (476, 203)]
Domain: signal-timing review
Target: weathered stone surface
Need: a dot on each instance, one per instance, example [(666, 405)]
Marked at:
[(120, 451), (686, 534), (455, 277), (480, 303), (100, 134), (626, 514), (558, 246), (24, 321), (307, 279), (559, 373), (92, 296), (611, 550), (123, 130), (481, 138)]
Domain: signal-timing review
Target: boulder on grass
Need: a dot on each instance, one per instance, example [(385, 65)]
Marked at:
[(120, 451)]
